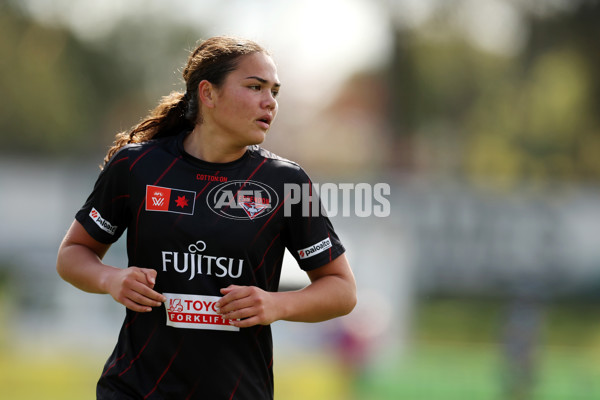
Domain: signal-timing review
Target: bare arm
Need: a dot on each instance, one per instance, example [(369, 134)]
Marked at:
[(79, 262), (331, 293)]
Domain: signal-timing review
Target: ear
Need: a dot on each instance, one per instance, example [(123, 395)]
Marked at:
[(207, 93)]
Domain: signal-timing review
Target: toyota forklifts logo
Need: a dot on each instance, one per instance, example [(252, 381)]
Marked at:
[(242, 200)]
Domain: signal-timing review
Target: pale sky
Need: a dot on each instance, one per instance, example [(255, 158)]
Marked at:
[(321, 41), (317, 43)]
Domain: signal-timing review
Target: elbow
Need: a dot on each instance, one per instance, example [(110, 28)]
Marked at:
[(60, 267), (64, 260), (350, 298), (350, 301)]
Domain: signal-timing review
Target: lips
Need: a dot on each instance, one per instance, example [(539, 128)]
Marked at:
[(265, 121)]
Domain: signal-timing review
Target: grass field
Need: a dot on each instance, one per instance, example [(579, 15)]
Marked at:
[(430, 372), (28, 377), (445, 362)]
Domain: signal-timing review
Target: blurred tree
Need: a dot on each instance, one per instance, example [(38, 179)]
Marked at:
[(65, 96), (53, 87), (454, 109), (496, 119), (563, 61)]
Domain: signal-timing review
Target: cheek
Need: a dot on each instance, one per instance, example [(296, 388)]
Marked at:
[(239, 105), (231, 111)]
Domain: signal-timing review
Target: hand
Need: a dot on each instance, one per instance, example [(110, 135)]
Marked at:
[(247, 306), (133, 287)]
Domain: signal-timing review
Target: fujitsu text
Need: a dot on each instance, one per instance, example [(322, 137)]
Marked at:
[(194, 264)]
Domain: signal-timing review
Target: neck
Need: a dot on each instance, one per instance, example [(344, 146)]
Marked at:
[(209, 147)]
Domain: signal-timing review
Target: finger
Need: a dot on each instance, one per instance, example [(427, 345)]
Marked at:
[(144, 275), (229, 289), (237, 305), (150, 275), (231, 300), (242, 313), (245, 323), (148, 293), (142, 299), (132, 305), (229, 293)]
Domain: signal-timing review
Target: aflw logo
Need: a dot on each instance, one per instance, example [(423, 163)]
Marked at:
[(170, 200), (158, 202)]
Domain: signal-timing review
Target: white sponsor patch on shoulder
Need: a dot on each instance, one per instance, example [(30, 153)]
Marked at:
[(195, 312), (102, 223), (314, 249)]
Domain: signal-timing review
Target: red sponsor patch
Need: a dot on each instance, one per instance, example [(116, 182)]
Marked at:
[(195, 312), (165, 199), (157, 198)]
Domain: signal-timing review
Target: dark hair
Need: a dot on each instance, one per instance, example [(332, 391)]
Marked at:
[(212, 60)]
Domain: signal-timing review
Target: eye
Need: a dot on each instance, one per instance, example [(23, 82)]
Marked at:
[(274, 92), (254, 87)]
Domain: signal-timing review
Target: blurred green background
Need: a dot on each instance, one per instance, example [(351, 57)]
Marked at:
[(482, 116)]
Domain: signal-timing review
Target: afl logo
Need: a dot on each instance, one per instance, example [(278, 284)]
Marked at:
[(242, 199)]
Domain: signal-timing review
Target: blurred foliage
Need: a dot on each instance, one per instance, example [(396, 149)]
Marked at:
[(54, 87), (61, 94), (456, 110), (502, 119)]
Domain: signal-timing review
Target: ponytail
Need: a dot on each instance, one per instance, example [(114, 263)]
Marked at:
[(172, 115), (212, 60)]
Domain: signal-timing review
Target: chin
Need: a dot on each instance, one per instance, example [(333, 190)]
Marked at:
[(257, 139)]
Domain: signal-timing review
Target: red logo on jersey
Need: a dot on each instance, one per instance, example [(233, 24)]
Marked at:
[(175, 305), (252, 205), (170, 200), (181, 201)]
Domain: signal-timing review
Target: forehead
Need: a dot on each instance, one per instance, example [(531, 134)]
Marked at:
[(256, 65)]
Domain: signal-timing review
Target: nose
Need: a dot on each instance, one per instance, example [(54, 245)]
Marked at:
[(270, 102)]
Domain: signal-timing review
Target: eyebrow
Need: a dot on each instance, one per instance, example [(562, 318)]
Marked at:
[(262, 80)]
